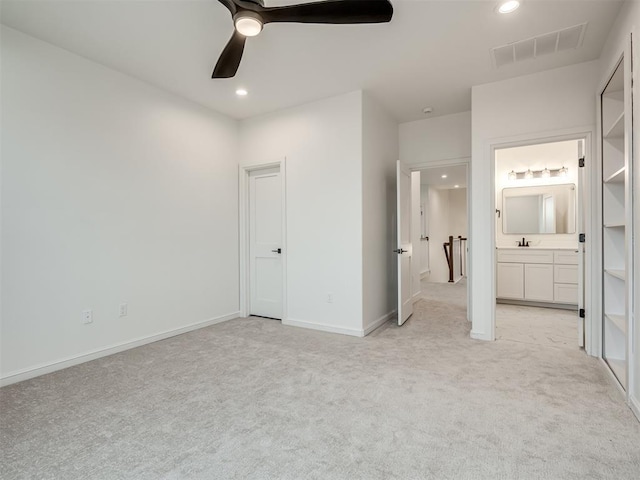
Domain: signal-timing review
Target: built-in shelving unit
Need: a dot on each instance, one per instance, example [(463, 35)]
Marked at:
[(616, 204)]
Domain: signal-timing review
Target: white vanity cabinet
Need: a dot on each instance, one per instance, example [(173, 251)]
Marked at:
[(537, 275)]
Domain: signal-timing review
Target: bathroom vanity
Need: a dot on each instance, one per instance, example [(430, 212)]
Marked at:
[(537, 276)]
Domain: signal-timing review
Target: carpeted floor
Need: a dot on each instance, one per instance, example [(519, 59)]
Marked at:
[(253, 399)]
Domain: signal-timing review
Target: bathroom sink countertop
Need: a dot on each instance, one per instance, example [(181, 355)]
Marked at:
[(537, 248)]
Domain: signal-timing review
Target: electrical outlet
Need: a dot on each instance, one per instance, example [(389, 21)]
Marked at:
[(329, 297), (87, 316), (123, 309)]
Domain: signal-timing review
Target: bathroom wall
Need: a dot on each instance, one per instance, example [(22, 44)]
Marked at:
[(536, 157)]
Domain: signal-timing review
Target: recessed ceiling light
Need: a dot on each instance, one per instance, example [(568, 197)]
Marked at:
[(456, 186), (427, 110), (241, 92), (444, 176), (508, 6)]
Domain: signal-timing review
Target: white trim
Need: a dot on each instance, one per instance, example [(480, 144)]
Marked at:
[(27, 373), (614, 380), (448, 162), (243, 206), (415, 297), (323, 327), (379, 322), (481, 336), (635, 406)]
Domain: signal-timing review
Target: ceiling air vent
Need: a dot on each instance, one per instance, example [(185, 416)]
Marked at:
[(553, 42)]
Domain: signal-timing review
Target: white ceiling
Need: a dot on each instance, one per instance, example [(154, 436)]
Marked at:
[(456, 175), (430, 54)]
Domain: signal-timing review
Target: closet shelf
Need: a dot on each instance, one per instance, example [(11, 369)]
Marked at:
[(617, 129), (620, 321), (620, 274), (616, 177), (614, 225)]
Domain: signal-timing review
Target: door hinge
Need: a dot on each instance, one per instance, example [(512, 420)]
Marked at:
[(581, 313), (581, 162), (582, 238)]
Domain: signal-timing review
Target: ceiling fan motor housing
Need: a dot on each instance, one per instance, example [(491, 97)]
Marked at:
[(247, 14)]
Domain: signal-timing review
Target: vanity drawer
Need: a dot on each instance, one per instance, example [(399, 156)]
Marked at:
[(565, 274), (563, 293), (566, 257), (525, 256)]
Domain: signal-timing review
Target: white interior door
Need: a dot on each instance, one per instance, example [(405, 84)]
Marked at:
[(265, 243), (404, 250)]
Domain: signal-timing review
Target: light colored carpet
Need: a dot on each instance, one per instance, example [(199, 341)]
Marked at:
[(253, 399)]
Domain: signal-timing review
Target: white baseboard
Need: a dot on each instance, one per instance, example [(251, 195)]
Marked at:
[(416, 296), (635, 406), (481, 336), (323, 327), (379, 322), (32, 372)]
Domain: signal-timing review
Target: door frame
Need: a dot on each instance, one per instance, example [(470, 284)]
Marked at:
[(455, 162), (244, 228), (592, 284)]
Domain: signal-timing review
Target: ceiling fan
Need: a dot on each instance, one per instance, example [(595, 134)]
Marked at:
[(249, 16)]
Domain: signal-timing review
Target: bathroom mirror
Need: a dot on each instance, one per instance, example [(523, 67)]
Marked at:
[(542, 209)]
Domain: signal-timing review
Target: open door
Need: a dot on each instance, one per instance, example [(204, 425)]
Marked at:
[(580, 213), (404, 250)]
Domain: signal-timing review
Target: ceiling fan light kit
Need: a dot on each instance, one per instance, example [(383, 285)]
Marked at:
[(250, 16), (248, 23)]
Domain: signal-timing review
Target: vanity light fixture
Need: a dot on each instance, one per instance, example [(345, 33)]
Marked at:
[(530, 174)]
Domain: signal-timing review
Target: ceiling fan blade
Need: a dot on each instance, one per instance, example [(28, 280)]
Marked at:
[(230, 57), (231, 6), (331, 11)]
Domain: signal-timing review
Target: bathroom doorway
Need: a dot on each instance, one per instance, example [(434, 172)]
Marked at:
[(539, 219)]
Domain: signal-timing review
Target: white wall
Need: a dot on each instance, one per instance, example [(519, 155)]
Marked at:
[(424, 243), (458, 221), (438, 234), (536, 157), (322, 142), (416, 224), (628, 22), (379, 156), (436, 139), (531, 106), (112, 191)]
